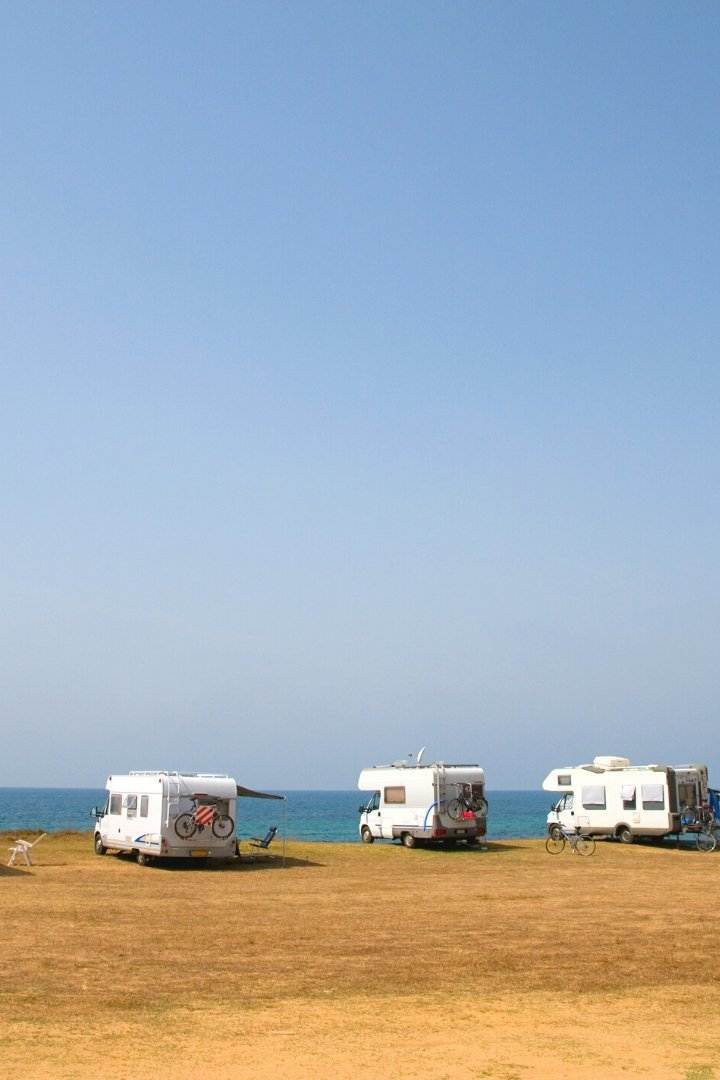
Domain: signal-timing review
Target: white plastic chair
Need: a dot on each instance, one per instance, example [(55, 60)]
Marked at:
[(23, 848)]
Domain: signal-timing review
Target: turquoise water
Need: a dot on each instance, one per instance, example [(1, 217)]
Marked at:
[(305, 815)]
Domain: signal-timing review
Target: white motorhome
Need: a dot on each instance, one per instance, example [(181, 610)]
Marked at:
[(160, 815), (611, 797), (413, 802)]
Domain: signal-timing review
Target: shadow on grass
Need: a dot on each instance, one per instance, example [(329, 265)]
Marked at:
[(687, 843), (15, 871), (474, 851), (494, 847), (246, 863)]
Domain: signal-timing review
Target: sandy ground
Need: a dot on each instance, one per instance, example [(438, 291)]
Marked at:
[(352, 961)]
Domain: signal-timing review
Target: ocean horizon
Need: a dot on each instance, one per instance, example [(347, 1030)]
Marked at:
[(318, 815)]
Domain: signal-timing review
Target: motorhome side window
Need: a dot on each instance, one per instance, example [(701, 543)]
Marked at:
[(653, 797), (564, 780), (144, 805), (394, 794), (629, 796), (593, 797), (115, 804), (131, 805)]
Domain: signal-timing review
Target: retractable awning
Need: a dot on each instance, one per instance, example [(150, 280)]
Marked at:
[(248, 793)]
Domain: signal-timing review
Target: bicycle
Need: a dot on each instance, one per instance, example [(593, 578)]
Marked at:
[(701, 821), (465, 804), (202, 815), (581, 845), (706, 841)]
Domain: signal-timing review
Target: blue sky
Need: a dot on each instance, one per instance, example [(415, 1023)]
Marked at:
[(359, 387)]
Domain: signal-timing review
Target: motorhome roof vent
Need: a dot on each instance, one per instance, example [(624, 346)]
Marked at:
[(612, 762)]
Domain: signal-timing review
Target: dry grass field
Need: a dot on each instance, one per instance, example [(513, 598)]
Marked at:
[(354, 961)]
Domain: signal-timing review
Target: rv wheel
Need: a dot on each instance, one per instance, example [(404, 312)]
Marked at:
[(625, 835), (100, 848), (555, 832), (366, 836), (408, 839), (143, 859)]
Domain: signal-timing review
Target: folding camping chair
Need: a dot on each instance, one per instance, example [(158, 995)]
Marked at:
[(266, 841), (23, 848)]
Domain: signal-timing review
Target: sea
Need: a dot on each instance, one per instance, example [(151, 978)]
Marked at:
[(330, 816)]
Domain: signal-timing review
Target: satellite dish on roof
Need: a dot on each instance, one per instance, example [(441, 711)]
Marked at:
[(420, 753)]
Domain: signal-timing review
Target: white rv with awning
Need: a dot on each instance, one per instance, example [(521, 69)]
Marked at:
[(413, 802), (611, 797), (161, 814)]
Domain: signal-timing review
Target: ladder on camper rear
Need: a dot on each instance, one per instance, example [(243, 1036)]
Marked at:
[(172, 803), (176, 791)]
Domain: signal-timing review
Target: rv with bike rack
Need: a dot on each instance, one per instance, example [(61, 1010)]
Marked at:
[(168, 815), (611, 797), (412, 802)]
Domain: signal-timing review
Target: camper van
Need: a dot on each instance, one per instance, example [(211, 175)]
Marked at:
[(161, 815), (412, 802), (611, 797)]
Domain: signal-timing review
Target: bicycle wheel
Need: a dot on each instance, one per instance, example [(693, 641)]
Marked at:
[(479, 806), (185, 826), (454, 809), (555, 844), (585, 845), (706, 841), (223, 826)]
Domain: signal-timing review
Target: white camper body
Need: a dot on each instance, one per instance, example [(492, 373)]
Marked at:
[(611, 797), (152, 814), (412, 802)]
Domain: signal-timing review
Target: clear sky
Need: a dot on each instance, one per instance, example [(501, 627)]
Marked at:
[(359, 387)]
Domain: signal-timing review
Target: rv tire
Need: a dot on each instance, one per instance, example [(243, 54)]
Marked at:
[(100, 848), (366, 836), (555, 832), (625, 835), (408, 839), (143, 859)]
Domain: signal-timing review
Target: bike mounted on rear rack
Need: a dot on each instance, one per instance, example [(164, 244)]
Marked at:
[(203, 814), (703, 821)]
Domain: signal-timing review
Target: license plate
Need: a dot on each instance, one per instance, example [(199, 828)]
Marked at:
[(198, 853)]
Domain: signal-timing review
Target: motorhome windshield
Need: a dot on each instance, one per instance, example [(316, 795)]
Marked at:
[(565, 802)]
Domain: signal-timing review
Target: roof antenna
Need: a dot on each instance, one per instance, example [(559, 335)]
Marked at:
[(420, 753)]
